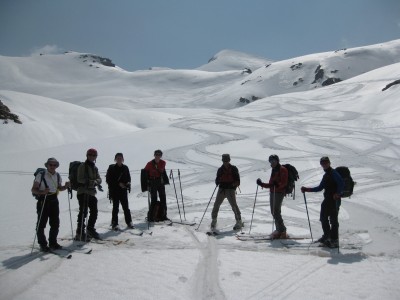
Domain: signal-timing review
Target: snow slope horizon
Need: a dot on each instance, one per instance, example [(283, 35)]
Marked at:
[(354, 122), (71, 78)]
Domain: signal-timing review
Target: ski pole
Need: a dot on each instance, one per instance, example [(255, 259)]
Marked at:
[(38, 223), (308, 217), (272, 210), (254, 206), (180, 185), (87, 216), (148, 202), (337, 220), (207, 207), (171, 175), (70, 216)]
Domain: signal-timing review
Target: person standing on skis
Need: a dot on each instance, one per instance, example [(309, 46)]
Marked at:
[(332, 184), (88, 177), (277, 186), (157, 179), (46, 187), (118, 179), (228, 180)]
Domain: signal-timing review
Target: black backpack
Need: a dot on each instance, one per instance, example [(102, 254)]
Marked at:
[(349, 183), (156, 214), (293, 175), (73, 174)]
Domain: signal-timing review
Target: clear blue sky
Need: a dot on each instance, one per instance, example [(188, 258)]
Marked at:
[(138, 34)]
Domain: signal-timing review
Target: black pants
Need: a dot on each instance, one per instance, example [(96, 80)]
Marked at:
[(51, 213), (329, 218), (121, 197), (157, 187), (86, 201)]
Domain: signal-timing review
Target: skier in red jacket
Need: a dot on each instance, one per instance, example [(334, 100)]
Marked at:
[(277, 186)]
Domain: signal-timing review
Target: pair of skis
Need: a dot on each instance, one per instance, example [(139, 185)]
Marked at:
[(171, 176)]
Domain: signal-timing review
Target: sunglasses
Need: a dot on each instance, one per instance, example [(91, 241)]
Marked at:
[(93, 155), (52, 165)]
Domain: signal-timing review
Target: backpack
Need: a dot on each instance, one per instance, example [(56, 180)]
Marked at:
[(143, 180), (73, 174), (293, 175), (349, 183), (42, 171), (157, 213)]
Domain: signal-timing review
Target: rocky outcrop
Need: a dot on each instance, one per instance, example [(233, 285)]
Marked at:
[(391, 84), (97, 59), (243, 100), (5, 114)]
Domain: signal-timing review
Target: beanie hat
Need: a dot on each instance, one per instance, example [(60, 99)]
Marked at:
[(91, 151), (324, 159)]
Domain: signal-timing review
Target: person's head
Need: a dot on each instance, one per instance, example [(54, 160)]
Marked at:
[(119, 158), (226, 158), (91, 154), (51, 164), (273, 160), (325, 162), (157, 155)]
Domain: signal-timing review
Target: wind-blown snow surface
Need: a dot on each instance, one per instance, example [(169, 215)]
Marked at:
[(67, 107)]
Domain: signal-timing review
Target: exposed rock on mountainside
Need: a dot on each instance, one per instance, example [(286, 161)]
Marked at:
[(97, 59), (5, 114), (391, 84), (319, 75), (243, 100)]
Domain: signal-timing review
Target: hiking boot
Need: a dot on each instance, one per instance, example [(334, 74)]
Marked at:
[(213, 223), (275, 235), (115, 227), (284, 235), (239, 224), (91, 232), (322, 239), (55, 246), (44, 248), (332, 243), (131, 226)]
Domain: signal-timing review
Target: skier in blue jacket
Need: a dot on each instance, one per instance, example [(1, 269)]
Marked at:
[(332, 184)]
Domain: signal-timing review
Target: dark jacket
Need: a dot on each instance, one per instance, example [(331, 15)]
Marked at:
[(332, 183), (228, 178), (116, 175)]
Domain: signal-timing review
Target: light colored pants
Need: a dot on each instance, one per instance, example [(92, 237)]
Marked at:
[(230, 194)]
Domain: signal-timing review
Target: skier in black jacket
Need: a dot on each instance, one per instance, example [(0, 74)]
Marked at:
[(228, 180), (118, 179)]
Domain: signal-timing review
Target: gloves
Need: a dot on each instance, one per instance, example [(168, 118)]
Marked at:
[(259, 182), (336, 196), (305, 189)]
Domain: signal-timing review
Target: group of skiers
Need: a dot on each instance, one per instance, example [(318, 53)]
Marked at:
[(47, 185)]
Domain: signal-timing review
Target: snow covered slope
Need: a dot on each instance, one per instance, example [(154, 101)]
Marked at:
[(67, 106)]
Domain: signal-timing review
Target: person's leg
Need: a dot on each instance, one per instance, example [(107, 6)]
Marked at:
[(280, 226), (42, 209), (54, 221)]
